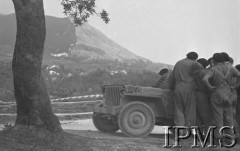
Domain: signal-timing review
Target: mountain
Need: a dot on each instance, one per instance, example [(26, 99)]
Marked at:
[(77, 47)]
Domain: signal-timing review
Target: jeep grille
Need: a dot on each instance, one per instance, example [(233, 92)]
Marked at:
[(112, 95)]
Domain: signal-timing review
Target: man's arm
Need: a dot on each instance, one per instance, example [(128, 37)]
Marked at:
[(171, 81), (237, 83), (236, 74), (206, 78)]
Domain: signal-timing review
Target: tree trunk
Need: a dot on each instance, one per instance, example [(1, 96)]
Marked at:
[(33, 103)]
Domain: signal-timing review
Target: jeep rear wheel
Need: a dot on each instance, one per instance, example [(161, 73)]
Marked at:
[(105, 123), (136, 119)]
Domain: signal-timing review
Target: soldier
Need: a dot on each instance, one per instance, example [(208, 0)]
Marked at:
[(232, 82), (210, 62), (203, 105), (163, 81), (237, 115), (182, 81), (221, 98)]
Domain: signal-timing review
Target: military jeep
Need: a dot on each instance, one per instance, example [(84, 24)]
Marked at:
[(135, 110)]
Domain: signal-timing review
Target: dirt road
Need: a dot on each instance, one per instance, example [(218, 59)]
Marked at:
[(86, 128), (153, 142)]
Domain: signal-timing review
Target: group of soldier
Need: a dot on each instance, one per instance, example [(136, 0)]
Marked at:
[(206, 91)]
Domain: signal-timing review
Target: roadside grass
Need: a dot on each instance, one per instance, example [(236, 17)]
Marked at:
[(23, 138)]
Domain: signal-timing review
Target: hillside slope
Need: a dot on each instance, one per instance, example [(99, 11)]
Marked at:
[(77, 47)]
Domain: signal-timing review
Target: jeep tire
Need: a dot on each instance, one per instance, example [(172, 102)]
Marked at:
[(136, 119)]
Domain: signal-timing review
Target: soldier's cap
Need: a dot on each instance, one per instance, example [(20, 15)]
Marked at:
[(163, 71), (218, 57), (192, 55), (237, 67), (203, 62), (226, 56), (210, 59)]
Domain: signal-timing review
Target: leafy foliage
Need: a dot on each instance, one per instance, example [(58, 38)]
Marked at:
[(81, 82), (67, 81), (7, 127), (81, 10)]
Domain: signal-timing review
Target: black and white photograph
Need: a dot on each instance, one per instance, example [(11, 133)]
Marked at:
[(119, 75)]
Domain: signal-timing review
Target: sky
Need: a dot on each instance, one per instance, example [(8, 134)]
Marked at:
[(165, 30)]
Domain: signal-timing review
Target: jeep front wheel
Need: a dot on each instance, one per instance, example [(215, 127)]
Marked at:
[(136, 119)]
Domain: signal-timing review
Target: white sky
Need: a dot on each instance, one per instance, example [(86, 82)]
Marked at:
[(165, 30)]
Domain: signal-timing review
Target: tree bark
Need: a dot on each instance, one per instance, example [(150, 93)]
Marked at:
[(33, 103)]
